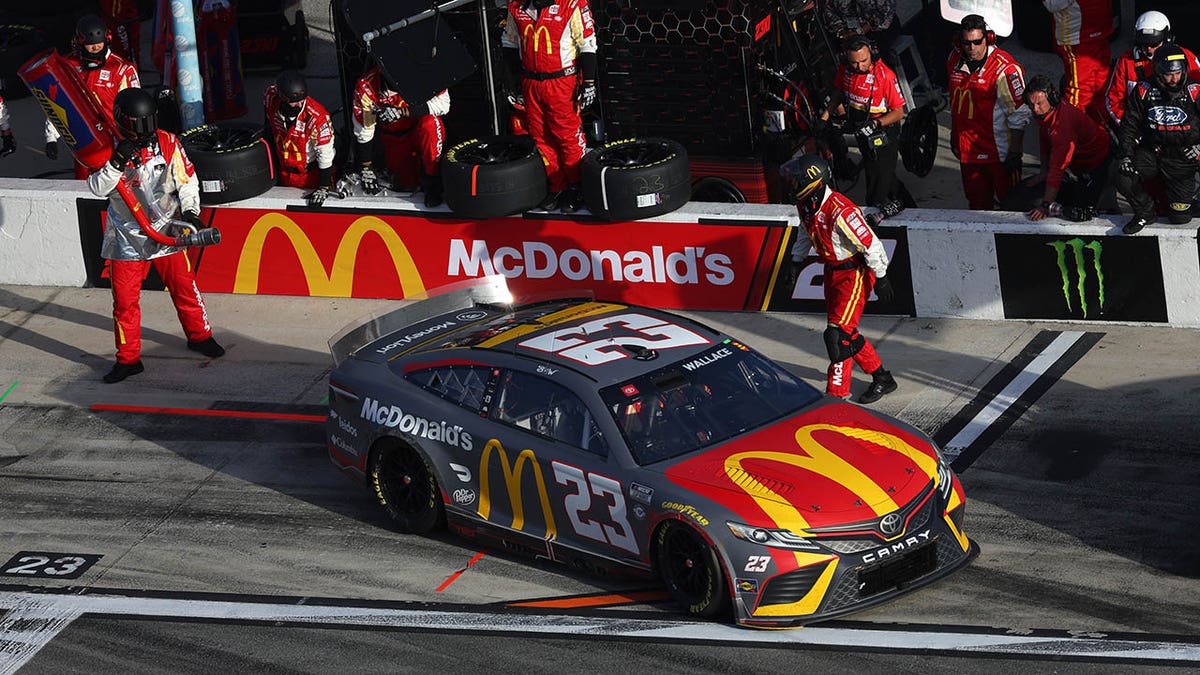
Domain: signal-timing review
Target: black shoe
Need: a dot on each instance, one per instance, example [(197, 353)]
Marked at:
[(572, 199), (209, 348), (1134, 226), (882, 383), (432, 187), (121, 371), (1079, 214), (550, 203)]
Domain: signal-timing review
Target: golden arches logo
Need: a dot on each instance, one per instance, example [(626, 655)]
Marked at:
[(961, 98), (537, 35), (512, 481), (819, 459), (339, 280)]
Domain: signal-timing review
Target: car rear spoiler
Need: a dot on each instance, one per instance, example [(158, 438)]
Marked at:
[(490, 290)]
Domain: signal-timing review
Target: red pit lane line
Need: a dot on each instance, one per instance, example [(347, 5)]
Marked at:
[(199, 412), (595, 600), (451, 579)]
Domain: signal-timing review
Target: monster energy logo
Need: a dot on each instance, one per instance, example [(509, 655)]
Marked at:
[(1077, 248)]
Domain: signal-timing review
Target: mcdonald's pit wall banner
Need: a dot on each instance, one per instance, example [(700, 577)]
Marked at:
[(1085, 278), (808, 293), (723, 264)]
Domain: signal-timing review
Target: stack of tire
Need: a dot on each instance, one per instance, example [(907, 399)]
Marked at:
[(232, 160), (497, 176)]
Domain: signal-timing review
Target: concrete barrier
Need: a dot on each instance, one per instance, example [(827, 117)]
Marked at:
[(963, 264)]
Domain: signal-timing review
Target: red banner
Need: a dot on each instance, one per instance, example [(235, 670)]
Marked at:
[(717, 264)]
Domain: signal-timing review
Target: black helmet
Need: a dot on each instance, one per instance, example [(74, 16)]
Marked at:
[(1170, 59), (90, 30), (805, 175), (292, 90), (135, 112)]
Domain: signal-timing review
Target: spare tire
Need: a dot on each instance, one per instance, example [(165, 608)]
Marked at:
[(232, 160), (636, 178), (919, 140), (493, 176), (18, 44)]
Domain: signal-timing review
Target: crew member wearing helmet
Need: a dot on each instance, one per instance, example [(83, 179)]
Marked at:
[(1081, 30), (1074, 153), (103, 73), (1151, 31), (1160, 134), (834, 229), (155, 166), (413, 135), (301, 137)]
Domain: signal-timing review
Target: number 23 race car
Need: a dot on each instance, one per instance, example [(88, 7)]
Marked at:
[(606, 434)]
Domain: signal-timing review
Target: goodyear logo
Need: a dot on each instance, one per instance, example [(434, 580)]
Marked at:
[(337, 281), (1075, 272)]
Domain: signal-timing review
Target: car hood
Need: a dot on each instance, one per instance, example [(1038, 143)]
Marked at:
[(830, 465)]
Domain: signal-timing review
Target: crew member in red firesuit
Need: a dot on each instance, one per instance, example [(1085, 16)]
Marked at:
[(1081, 30), (855, 263), (413, 135), (123, 18), (1074, 152), (1160, 134), (103, 73), (868, 94), (987, 113), (301, 137), (1151, 31), (156, 167), (553, 45), (9, 143)]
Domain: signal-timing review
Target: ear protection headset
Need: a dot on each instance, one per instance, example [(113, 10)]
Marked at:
[(1042, 83), (854, 43), (974, 22)]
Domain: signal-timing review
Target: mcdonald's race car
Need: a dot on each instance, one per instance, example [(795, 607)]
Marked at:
[(605, 434)]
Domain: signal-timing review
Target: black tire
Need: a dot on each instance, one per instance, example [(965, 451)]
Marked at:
[(691, 570), (717, 189), (919, 140), (232, 161), (493, 176), (297, 57), (403, 483), (636, 178), (18, 44)]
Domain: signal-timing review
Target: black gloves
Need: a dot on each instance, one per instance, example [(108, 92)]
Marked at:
[(389, 114), (1126, 167), (317, 197), (884, 290), (585, 94), (370, 182), (1013, 162), (192, 218), (124, 151), (52, 150), (867, 129), (10, 143), (1192, 152)]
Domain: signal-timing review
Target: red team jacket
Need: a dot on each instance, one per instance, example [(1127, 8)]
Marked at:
[(984, 105)]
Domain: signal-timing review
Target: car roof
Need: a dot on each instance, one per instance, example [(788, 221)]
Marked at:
[(605, 341)]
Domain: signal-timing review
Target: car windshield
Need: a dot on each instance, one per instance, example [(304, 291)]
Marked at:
[(703, 400)]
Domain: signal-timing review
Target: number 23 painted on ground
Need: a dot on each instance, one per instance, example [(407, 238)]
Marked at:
[(618, 533)]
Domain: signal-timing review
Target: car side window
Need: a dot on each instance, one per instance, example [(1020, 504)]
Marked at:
[(548, 409), (462, 385)]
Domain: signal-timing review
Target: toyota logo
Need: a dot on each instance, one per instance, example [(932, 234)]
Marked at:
[(890, 524)]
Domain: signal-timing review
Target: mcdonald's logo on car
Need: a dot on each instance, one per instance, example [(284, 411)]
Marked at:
[(537, 34), (512, 481), (337, 281)]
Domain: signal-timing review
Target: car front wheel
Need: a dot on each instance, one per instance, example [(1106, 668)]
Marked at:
[(404, 485), (691, 571)]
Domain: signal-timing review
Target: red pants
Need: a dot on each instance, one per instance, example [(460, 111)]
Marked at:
[(983, 184), (176, 273), (307, 179), (556, 127), (412, 146), (846, 293), (1086, 67)]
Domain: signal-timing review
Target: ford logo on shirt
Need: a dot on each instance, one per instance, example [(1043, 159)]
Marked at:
[(1167, 116)]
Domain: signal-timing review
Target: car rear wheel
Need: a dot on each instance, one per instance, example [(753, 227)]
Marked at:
[(691, 571), (404, 485)]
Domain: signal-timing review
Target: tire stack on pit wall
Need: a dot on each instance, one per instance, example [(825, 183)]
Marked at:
[(636, 178), (232, 160)]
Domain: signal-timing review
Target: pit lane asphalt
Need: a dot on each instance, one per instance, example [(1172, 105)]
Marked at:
[(1084, 507)]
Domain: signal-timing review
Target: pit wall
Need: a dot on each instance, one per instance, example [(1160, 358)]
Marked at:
[(704, 256)]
